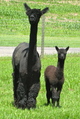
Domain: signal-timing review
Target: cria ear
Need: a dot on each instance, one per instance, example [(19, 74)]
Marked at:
[(67, 48), (26, 7), (44, 10), (56, 48)]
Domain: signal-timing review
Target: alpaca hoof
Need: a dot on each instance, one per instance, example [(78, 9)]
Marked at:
[(46, 104), (31, 104), (21, 104), (59, 106)]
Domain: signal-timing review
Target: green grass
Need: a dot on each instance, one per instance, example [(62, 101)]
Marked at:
[(62, 18), (62, 22), (70, 96), (14, 40)]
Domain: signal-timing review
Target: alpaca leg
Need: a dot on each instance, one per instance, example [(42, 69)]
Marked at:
[(33, 92), (55, 95), (15, 84), (53, 102), (59, 91), (58, 103), (48, 93), (22, 98)]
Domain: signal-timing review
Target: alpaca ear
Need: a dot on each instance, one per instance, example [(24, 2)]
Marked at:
[(26, 7), (67, 48), (44, 10), (56, 48)]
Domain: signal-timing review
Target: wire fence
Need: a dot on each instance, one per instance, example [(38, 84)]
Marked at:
[(53, 33), (11, 38)]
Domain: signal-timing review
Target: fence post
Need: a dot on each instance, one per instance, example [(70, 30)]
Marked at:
[(42, 38)]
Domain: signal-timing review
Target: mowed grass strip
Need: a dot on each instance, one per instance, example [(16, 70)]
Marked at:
[(14, 40)]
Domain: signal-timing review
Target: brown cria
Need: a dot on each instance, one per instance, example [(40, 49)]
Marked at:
[(26, 64), (54, 78)]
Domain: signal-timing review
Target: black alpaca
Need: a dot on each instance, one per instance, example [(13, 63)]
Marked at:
[(26, 65), (54, 78)]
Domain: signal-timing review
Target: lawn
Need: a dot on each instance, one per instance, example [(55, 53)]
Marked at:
[(70, 96)]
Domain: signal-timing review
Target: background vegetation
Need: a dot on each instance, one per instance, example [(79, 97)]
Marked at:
[(62, 22)]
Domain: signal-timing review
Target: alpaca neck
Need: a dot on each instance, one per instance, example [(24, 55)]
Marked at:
[(60, 64), (33, 39), (32, 45), (60, 69)]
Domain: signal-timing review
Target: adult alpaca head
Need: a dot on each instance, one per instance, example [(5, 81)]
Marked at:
[(34, 14)]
